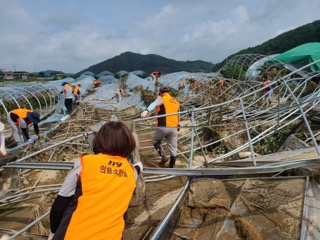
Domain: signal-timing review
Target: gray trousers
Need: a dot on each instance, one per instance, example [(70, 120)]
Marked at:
[(118, 96), (268, 96), (15, 130), (170, 134)]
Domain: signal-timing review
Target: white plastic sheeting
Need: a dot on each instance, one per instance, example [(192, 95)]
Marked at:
[(108, 79), (42, 97), (103, 97)]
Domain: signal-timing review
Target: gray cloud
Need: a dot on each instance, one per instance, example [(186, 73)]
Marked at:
[(73, 35)]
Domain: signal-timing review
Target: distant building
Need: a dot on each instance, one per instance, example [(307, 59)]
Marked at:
[(14, 75), (8, 75), (21, 75)]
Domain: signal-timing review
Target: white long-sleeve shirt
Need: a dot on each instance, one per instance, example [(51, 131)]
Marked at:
[(155, 103)]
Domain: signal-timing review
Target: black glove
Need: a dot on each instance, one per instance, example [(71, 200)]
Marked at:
[(139, 167)]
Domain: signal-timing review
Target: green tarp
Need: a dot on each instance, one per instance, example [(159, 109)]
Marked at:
[(302, 55)]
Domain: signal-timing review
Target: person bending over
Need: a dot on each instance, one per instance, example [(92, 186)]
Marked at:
[(21, 118)]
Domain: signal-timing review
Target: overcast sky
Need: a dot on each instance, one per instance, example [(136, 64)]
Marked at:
[(71, 35)]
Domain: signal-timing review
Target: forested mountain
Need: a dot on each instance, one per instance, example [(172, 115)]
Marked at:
[(129, 61)]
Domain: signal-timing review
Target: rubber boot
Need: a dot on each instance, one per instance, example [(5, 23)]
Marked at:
[(159, 149), (172, 161)]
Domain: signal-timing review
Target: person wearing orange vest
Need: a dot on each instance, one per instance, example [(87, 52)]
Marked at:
[(20, 119), (220, 83), (68, 96), (155, 75), (167, 126), (2, 140), (118, 94), (96, 82), (181, 85), (95, 196), (267, 88), (77, 93)]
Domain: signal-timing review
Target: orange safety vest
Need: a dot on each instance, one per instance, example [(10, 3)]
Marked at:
[(96, 81), (181, 83), (119, 90), (170, 105), (220, 83), (22, 113), (76, 89), (65, 87), (156, 74), (104, 190)]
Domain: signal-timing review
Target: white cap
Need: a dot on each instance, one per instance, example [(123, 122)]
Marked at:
[(1, 126)]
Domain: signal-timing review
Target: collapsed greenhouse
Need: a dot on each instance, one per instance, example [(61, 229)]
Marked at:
[(245, 169)]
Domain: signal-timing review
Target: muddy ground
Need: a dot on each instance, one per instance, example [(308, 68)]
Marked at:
[(225, 209)]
